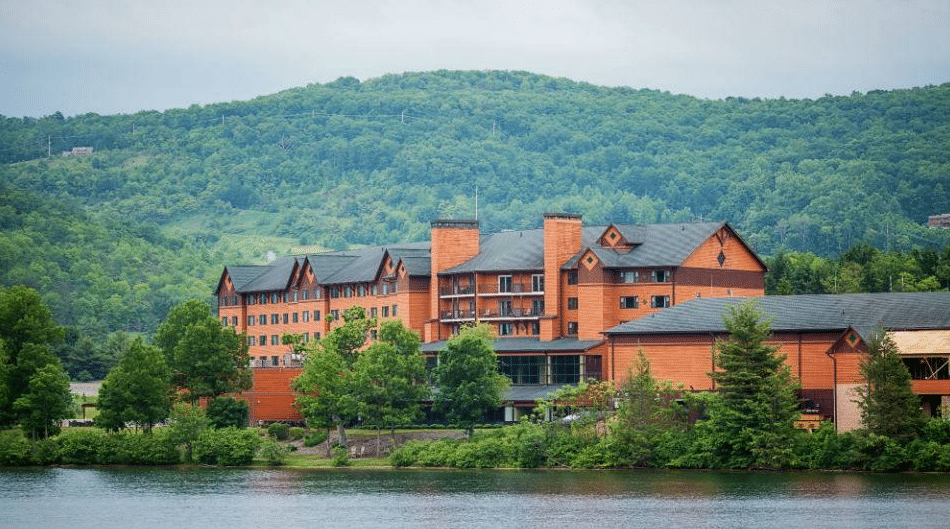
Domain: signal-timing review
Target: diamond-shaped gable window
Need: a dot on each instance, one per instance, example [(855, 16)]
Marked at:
[(721, 258)]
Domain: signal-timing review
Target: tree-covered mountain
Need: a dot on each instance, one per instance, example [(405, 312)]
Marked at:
[(167, 198)]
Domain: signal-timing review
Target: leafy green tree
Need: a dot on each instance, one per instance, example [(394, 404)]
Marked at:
[(759, 402), (27, 334), (186, 424), (467, 378), (137, 390), (228, 412), (206, 359), (390, 379), (45, 402), (889, 407), (327, 393)]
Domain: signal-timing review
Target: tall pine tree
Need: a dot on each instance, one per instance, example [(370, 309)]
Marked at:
[(888, 405)]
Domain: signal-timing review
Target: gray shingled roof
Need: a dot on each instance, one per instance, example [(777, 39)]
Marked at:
[(665, 245), (277, 276), (527, 345), (817, 312), (520, 250)]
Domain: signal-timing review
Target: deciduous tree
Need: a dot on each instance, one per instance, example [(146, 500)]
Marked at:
[(137, 390), (467, 378)]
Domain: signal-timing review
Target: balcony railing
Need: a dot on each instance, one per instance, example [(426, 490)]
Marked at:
[(516, 288), (489, 314), (466, 290)]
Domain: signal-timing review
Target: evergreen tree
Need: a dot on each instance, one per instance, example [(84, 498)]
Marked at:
[(888, 405), (467, 378), (759, 403)]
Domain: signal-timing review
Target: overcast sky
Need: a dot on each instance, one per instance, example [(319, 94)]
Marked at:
[(129, 55)]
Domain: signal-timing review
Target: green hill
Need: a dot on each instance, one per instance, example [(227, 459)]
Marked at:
[(167, 197)]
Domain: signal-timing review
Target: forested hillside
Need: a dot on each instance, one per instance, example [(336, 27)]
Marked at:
[(355, 163)]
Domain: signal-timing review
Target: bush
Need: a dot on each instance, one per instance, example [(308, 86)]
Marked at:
[(227, 447), (85, 447), (137, 449), (279, 431), (296, 433), (15, 448), (45, 452), (316, 437), (341, 457), (274, 452)]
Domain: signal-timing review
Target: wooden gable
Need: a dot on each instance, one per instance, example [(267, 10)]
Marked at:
[(725, 250)]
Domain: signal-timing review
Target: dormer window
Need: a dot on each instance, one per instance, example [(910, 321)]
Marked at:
[(661, 276), (629, 276)]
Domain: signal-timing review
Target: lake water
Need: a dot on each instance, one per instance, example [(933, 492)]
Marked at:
[(359, 498)]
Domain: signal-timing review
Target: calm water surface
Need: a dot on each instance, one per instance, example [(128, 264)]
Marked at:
[(356, 498)]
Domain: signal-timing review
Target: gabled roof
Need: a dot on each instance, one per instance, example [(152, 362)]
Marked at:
[(277, 276), (654, 245), (521, 250), (240, 276), (864, 313)]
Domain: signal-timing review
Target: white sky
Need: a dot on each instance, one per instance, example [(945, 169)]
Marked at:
[(129, 55)]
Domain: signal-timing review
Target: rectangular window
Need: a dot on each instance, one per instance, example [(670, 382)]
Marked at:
[(348, 291), (505, 329), (535, 328), (316, 315), (263, 299), (250, 320), (374, 289), (362, 290), (234, 321), (283, 296), (385, 289), (386, 311), (537, 307), (629, 302), (306, 294), (394, 311), (661, 276), (262, 340), (629, 277), (336, 314), (537, 283), (373, 334), (335, 292), (565, 369), (274, 319), (659, 302), (572, 277), (251, 341), (274, 339), (224, 321), (235, 300), (395, 288), (504, 283), (523, 369), (305, 337), (373, 312), (306, 315), (316, 336), (572, 327), (284, 318), (295, 318), (275, 297), (274, 361), (296, 296), (504, 307), (571, 303), (262, 319)]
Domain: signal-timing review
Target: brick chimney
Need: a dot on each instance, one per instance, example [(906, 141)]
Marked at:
[(562, 239), (452, 243)]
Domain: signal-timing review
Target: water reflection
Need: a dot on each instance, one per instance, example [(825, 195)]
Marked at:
[(205, 497)]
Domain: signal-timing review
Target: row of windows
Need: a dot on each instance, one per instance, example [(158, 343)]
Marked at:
[(505, 284), (540, 369), (275, 319), (629, 302), (634, 276), (509, 329), (254, 341), (348, 291)]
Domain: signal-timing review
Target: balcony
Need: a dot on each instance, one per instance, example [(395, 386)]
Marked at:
[(457, 291), (516, 288), (490, 315)]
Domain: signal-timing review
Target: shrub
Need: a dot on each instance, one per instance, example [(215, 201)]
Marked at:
[(45, 452), (316, 437), (227, 447), (296, 433), (341, 457), (274, 452), (15, 448), (279, 431), (136, 449), (85, 447)]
